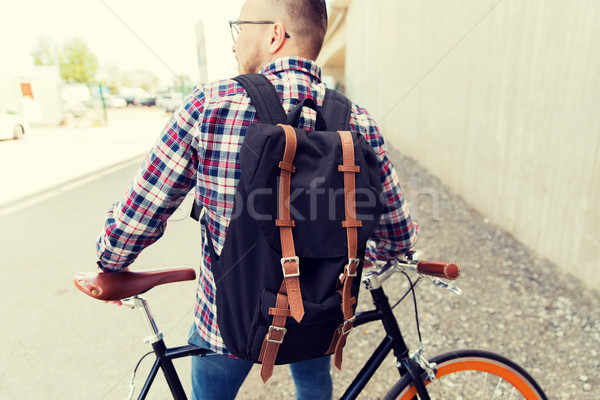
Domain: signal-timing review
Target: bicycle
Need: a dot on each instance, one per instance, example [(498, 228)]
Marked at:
[(472, 374)]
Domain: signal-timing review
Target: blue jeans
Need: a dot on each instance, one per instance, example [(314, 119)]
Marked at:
[(218, 377)]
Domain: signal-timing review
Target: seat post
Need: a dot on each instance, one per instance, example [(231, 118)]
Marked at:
[(141, 304), (163, 361)]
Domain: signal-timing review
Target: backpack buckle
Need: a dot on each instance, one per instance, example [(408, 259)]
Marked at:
[(290, 259), (277, 329), (346, 323), (352, 261)]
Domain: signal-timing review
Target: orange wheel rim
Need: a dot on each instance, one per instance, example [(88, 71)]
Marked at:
[(475, 364)]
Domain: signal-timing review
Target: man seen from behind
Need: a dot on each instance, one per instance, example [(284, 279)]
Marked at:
[(198, 150)]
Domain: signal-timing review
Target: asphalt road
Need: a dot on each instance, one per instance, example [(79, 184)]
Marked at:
[(56, 342)]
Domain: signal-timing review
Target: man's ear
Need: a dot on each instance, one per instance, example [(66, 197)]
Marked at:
[(277, 37)]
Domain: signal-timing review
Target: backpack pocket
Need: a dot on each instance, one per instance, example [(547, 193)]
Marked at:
[(308, 339)]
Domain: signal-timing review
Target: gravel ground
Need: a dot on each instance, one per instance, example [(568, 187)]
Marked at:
[(515, 303)]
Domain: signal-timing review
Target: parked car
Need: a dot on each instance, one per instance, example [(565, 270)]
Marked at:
[(77, 99), (116, 102), (13, 126), (130, 94), (169, 101), (145, 99)]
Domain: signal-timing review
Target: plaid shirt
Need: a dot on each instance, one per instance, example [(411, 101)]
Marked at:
[(199, 149)]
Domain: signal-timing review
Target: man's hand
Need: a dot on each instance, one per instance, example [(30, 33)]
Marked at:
[(100, 270), (117, 302)]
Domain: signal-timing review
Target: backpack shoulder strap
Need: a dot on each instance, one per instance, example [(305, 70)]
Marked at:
[(336, 110), (268, 106), (264, 98)]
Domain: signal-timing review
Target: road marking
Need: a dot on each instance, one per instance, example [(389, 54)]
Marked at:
[(67, 186)]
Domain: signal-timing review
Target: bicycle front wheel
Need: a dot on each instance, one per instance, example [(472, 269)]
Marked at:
[(472, 374)]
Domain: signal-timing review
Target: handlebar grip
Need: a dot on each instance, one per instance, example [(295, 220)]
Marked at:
[(439, 269)]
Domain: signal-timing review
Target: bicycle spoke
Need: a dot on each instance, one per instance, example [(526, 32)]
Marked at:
[(512, 392), (467, 385), (496, 389), (484, 385)]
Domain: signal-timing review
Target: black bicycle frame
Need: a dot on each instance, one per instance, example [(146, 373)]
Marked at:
[(393, 341), (164, 360)]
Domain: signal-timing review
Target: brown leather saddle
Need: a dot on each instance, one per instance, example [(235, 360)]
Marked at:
[(121, 285)]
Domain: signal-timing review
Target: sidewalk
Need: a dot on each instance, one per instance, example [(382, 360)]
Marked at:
[(54, 155), (515, 303)]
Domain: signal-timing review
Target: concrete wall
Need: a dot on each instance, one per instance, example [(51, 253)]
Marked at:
[(501, 100)]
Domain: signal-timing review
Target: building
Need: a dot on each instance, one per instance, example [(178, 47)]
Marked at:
[(34, 93)]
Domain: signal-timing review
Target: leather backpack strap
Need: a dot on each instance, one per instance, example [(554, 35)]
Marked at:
[(349, 169), (275, 334), (290, 263), (266, 101), (264, 98), (289, 298)]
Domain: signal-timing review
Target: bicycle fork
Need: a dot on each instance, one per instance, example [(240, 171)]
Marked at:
[(404, 363)]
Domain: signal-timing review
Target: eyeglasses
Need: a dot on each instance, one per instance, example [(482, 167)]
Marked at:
[(236, 30)]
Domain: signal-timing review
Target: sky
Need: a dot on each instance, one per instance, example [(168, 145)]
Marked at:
[(158, 36)]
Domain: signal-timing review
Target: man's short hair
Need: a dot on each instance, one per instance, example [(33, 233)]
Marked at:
[(309, 19)]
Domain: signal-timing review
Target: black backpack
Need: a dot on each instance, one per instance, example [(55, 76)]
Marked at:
[(295, 213)]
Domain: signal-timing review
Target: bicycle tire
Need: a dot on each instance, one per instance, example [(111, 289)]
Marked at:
[(475, 368)]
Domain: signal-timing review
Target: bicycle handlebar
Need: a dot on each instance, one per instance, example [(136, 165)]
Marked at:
[(410, 262), (117, 286), (449, 271)]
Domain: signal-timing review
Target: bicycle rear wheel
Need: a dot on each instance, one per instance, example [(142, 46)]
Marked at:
[(473, 374)]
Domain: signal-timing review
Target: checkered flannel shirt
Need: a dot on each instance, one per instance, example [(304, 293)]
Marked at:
[(199, 149)]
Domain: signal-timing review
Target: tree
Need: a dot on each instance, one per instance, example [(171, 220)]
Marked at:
[(111, 76), (45, 53), (77, 63), (183, 83)]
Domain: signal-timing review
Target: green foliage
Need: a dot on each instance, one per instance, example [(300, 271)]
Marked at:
[(111, 76), (45, 53), (76, 61), (183, 84), (115, 78), (78, 64)]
